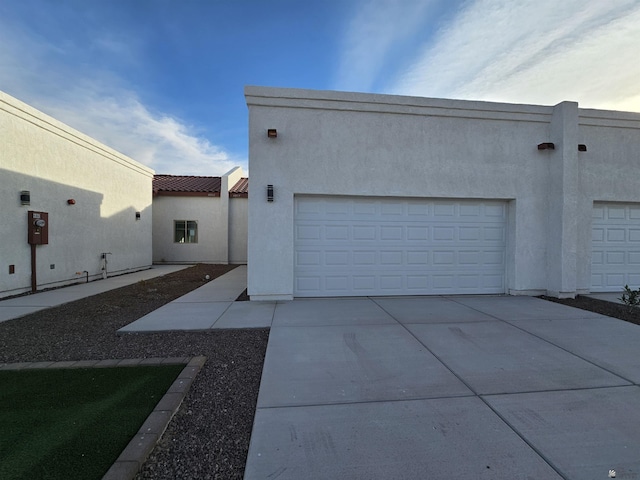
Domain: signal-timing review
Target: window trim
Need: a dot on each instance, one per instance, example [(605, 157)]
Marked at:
[(186, 239)]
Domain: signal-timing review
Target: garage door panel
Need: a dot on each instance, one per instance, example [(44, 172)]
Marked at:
[(304, 258), (336, 258), (308, 283), (615, 252), (615, 235), (415, 232), (615, 213), (392, 258), (363, 258), (419, 257), (308, 232), (364, 232), (336, 283), (418, 283), (398, 246), (389, 232), (364, 283)]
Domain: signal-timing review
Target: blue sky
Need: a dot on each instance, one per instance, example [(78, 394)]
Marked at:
[(162, 80)]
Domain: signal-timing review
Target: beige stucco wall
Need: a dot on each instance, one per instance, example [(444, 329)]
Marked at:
[(209, 212), (222, 226), (238, 215), (57, 163)]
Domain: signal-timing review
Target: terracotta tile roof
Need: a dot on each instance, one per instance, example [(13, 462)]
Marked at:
[(186, 185), (240, 189)]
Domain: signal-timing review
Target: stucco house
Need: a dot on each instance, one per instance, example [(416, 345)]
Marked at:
[(200, 219), (363, 194), (68, 204)]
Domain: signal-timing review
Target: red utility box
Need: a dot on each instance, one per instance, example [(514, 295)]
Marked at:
[(38, 228)]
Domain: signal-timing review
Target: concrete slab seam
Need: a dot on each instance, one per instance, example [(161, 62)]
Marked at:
[(476, 394), (549, 341), (220, 316), (524, 439), (373, 402), (631, 382), (504, 420), (466, 384)]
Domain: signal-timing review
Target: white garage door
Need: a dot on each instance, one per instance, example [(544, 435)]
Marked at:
[(360, 246), (615, 247)]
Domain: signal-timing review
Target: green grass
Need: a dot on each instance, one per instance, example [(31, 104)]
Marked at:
[(73, 423)]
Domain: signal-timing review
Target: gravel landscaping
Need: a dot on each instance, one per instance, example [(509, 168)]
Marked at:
[(622, 312), (209, 436)]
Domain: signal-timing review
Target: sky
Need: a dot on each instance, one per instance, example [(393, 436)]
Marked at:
[(162, 80)]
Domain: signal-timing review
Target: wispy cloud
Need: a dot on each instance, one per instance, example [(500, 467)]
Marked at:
[(157, 140), (540, 51), (377, 27), (99, 103)]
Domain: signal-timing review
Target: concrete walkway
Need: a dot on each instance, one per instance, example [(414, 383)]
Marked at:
[(446, 387), (210, 306), (20, 306)]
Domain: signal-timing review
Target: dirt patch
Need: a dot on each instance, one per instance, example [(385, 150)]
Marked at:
[(243, 297), (628, 314)]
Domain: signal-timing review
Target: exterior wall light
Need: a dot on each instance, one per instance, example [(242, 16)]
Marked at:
[(582, 147), (272, 133), (137, 215), (546, 146), (71, 201), (269, 193), (25, 197)]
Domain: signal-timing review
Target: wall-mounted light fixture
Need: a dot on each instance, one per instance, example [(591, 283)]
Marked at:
[(272, 133), (582, 147), (137, 215), (269, 193), (71, 201), (25, 197), (546, 146)]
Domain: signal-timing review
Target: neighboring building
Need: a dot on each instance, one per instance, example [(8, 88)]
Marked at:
[(193, 221), (97, 201), (392, 195)]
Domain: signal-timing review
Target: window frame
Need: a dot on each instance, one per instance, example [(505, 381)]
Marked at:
[(187, 239)]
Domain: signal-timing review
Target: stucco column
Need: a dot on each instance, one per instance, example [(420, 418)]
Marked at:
[(224, 210), (563, 201)]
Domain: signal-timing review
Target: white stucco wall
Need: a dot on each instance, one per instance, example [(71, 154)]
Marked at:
[(338, 143), (607, 172), (57, 163)]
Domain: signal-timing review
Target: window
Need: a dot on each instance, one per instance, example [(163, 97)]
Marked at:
[(186, 231)]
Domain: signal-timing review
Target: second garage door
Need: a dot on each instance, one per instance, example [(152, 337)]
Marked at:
[(615, 247), (362, 246)]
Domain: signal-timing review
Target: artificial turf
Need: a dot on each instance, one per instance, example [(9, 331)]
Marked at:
[(73, 423)]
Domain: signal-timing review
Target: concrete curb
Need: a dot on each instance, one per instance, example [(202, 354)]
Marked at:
[(136, 452)]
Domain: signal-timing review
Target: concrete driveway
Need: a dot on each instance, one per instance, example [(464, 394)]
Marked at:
[(446, 388)]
